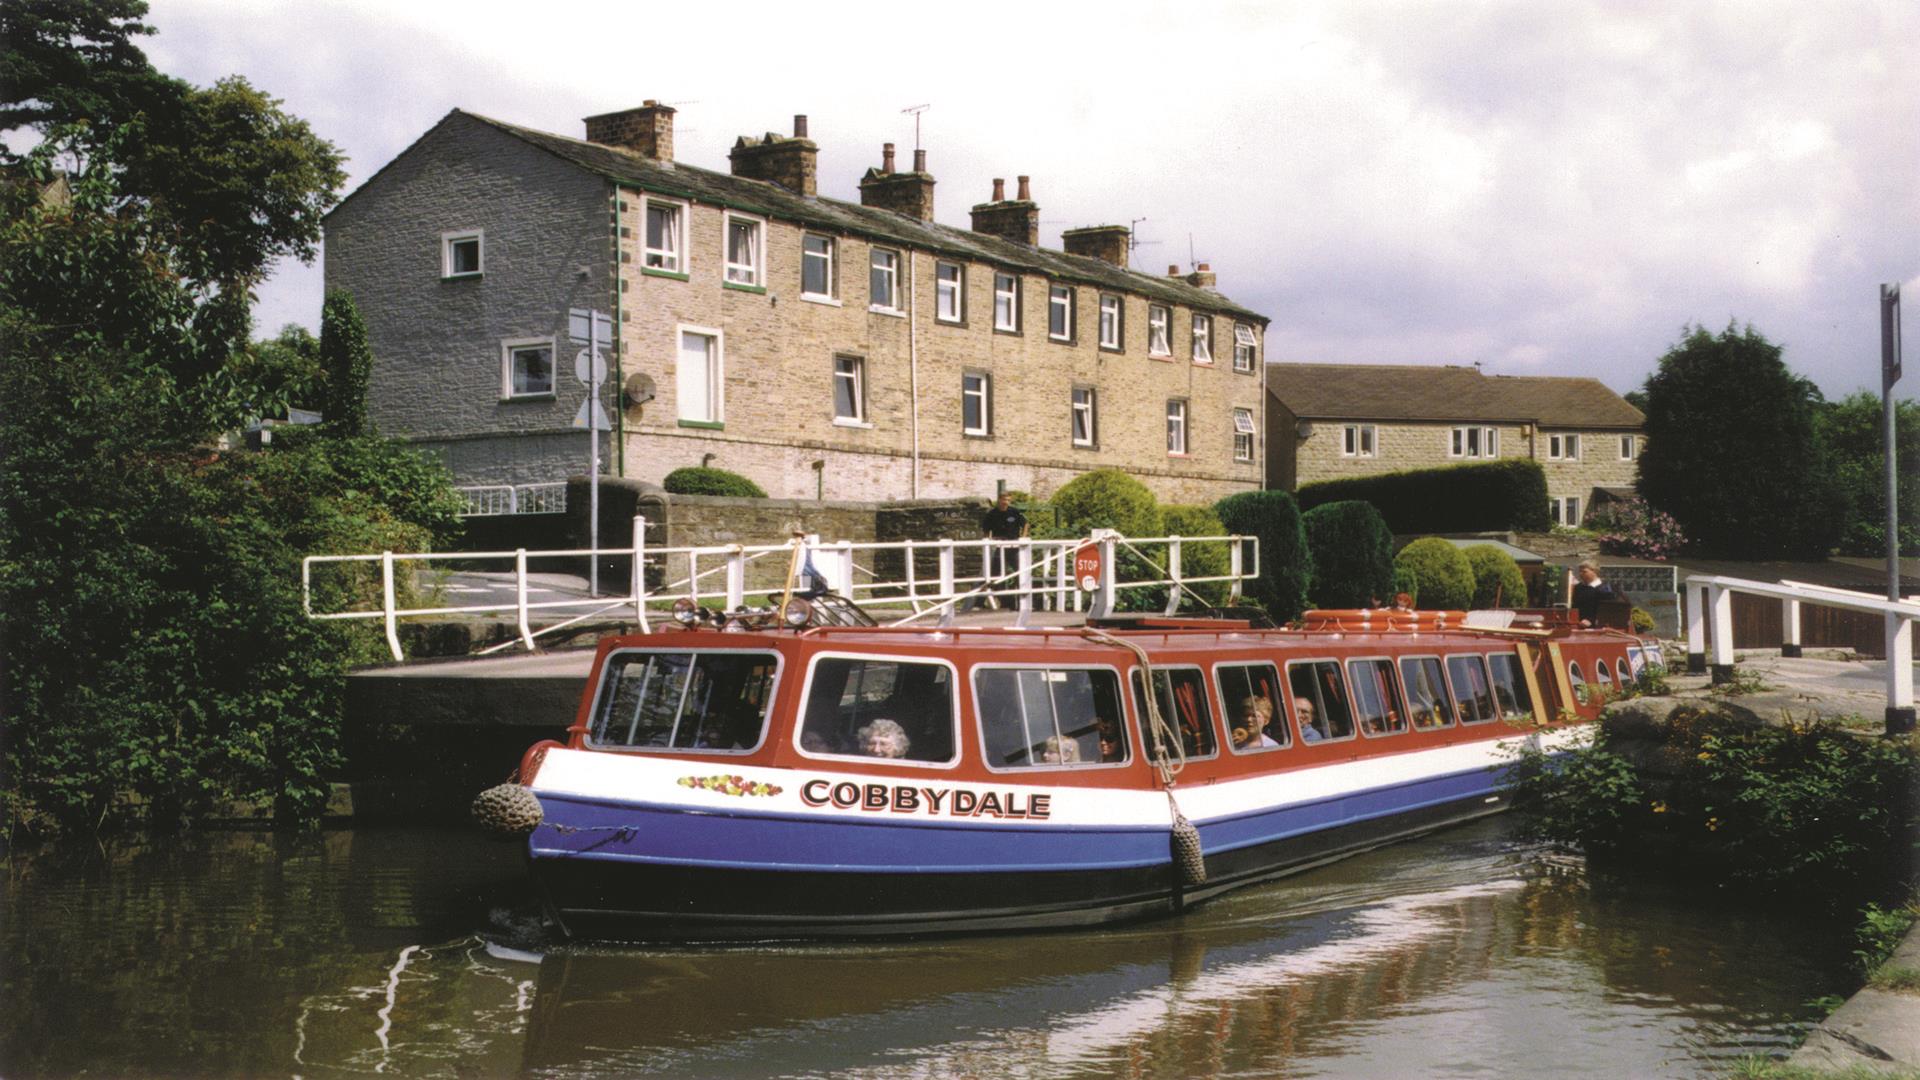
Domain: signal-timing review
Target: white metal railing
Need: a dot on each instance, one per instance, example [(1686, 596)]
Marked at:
[(1710, 596), (1030, 574), (494, 500)]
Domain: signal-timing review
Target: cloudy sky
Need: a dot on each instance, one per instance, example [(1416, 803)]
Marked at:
[(1539, 187)]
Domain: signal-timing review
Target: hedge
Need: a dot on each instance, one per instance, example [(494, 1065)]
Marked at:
[(694, 480), (1454, 498), (1285, 567), (1445, 576), (1497, 581), (1107, 499), (1200, 560), (1352, 554)]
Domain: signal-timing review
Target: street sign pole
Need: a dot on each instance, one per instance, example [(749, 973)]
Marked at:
[(589, 328), (1900, 631)]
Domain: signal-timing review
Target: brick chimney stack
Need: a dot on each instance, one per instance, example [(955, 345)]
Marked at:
[(792, 163), (1202, 276), (647, 130), (907, 193), (1016, 219), (1108, 243)]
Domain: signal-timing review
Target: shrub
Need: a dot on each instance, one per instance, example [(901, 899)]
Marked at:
[(1352, 554), (1107, 499), (1445, 576), (695, 480), (1210, 559), (1456, 498), (1406, 581), (1497, 581), (1631, 527), (1285, 571)]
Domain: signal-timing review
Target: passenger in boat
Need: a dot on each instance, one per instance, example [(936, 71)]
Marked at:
[(1059, 750), (883, 738), (1251, 732), (1111, 748), (1589, 593), (1303, 715)]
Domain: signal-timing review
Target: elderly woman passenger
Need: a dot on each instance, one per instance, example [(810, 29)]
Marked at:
[(882, 738)]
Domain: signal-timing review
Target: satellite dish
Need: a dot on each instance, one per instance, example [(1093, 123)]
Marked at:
[(637, 390), (1303, 428)]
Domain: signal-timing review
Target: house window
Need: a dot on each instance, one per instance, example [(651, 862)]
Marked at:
[(1628, 445), (1563, 448), (1006, 303), (1083, 416), (460, 253), (883, 279), (1110, 322), (948, 292), (1358, 440), (1060, 312), (698, 377), (1243, 434), (816, 267), (1474, 442), (1566, 510), (1159, 330), (1177, 426), (745, 251), (1243, 347), (1203, 339), (976, 403), (849, 390), (664, 241), (526, 369)]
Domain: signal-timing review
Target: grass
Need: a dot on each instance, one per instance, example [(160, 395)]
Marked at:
[(1756, 1067), (1739, 683), (1897, 977)]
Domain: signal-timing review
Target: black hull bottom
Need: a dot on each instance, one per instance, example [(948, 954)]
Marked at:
[(630, 901)]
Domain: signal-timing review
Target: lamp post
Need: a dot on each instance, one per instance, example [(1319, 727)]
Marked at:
[(1899, 630)]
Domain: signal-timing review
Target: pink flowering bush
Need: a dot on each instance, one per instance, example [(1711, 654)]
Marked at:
[(1631, 527)]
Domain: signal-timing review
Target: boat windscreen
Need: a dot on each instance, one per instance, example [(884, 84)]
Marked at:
[(685, 700)]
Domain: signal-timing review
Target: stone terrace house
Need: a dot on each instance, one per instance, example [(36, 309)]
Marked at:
[(1333, 421), (822, 348)]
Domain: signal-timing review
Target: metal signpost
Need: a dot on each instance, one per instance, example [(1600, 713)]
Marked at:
[(590, 328), (1899, 631)]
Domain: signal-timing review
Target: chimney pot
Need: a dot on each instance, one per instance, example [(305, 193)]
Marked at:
[(800, 125), (1173, 271), (886, 157), (999, 190), (649, 103), (1025, 195), (919, 160), (1203, 268)]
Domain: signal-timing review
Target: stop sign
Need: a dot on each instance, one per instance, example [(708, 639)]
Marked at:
[(1086, 566)]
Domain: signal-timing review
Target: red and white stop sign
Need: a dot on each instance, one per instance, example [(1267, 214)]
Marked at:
[(1086, 566)]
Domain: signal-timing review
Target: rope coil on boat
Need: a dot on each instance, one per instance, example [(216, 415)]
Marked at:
[(1183, 839)]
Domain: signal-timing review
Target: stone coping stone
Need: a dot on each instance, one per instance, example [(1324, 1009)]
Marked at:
[(1875, 1031)]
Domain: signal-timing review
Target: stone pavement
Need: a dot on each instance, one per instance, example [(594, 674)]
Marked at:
[(1828, 683), (1875, 1031)]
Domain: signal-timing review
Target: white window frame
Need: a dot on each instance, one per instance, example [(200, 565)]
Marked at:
[(672, 260), (1473, 442), (943, 289), (1110, 315), (1010, 294), (892, 271), (858, 378), (1245, 345), (751, 274), (1243, 433), (716, 373), (1360, 441), (1566, 510), (985, 394), (1089, 410), (1179, 439), (461, 236), (832, 254), (513, 345), (1202, 338), (1060, 298), (1159, 330), (1629, 447), (1563, 446)]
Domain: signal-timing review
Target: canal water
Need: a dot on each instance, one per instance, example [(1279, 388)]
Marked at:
[(415, 952)]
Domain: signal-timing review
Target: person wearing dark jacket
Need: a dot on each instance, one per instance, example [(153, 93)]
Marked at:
[(1591, 592)]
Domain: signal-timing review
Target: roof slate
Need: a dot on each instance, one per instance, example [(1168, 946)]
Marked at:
[(1422, 392), (758, 196)]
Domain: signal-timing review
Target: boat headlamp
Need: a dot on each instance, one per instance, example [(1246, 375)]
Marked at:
[(685, 611), (796, 613)]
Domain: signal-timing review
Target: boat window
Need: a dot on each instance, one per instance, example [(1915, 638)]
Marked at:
[(1427, 703), (1636, 662), (1579, 682), (1606, 676), (1654, 658), (1320, 706), (1376, 696), (1047, 716), (1251, 695), (1182, 696), (1472, 694), (685, 700), (1510, 686), (879, 708)]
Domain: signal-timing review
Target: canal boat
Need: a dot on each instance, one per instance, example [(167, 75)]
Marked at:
[(797, 774)]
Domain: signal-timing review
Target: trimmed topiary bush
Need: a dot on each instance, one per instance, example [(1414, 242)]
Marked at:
[(1107, 499), (1484, 497), (1351, 550), (1445, 576), (1285, 568), (1406, 581), (1497, 581), (694, 480)]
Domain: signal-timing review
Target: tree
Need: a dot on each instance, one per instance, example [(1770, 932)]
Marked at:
[(1286, 568), (1852, 430), (73, 61), (1732, 452), (1352, 555), (345, 362)]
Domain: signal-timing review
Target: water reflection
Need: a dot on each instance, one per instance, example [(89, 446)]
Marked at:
[(356, 953)]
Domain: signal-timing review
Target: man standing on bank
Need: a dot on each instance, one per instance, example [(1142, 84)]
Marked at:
[(1003, 522)]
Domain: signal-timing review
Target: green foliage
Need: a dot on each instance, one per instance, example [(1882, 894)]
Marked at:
[(1206, 559), (67, 63), (1107, 499), (1286, 570), (695, 480), (1497, 581), (1631, 527), (346, 361), (1732, 451), (1445, 576), (1406, 581), (283, 370), (1881, 930), (1853, 431), (1588, 797), (1640, 620), (1509, 494), (1352, 552)]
